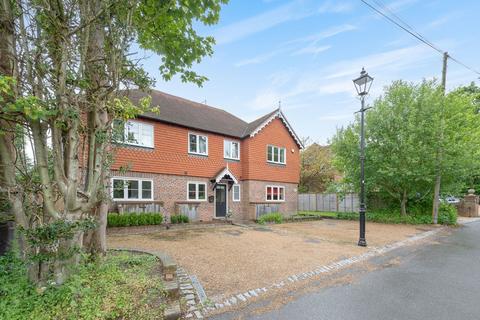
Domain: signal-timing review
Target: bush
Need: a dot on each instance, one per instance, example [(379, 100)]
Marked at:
[(121, 286), (179, 218), (274, 217), (133, 219), (447, 214)]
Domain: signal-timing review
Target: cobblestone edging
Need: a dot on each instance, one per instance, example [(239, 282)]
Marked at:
[(193, 306), (337, 265)]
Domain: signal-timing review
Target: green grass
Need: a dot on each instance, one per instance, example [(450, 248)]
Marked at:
[(123, 286), (273, 217)]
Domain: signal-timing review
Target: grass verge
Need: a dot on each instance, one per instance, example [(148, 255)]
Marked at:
[(122, 286)]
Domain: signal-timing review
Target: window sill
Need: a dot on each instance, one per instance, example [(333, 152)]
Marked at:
[(276, 164), (129, 145), (200, 155), (232, 159)]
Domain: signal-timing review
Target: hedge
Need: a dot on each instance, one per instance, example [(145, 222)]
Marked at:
[(133, 219), (179, 218)]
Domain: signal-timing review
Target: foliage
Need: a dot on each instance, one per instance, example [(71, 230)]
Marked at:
[(273, 217), (134, 219), (447, 214), (316, 170), (395, 217), (179, 218), (402, 140), (123, 286), (65, 69)]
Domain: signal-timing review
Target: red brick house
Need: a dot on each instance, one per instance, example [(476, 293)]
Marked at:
[(204, 162)]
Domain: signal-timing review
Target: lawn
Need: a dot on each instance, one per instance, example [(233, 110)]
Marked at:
[(124, 286)]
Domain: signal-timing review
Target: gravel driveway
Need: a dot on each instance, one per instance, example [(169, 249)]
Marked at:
[(228, 259)]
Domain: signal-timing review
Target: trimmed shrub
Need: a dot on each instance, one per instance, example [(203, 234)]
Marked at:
[(179, 218), (274, 217), (133, 219)]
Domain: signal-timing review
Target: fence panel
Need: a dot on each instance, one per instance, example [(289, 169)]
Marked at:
[(328, 202)]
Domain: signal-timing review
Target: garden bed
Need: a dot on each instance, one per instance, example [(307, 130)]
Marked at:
[(123, 286)]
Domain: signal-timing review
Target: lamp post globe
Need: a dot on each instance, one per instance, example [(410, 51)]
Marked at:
[(362, 85)]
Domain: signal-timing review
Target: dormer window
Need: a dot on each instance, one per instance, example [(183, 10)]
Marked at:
[(231, 149), (198, 144)]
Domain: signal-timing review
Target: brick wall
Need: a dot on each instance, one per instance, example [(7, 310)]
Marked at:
[(254, 155)]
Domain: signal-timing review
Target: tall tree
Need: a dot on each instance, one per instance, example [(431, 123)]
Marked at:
[(402, 136), (316, 170), (62, 66)]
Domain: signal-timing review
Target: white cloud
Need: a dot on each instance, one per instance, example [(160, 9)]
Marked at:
[(335, 7), (244, 28), (311, 49), (292, 45)]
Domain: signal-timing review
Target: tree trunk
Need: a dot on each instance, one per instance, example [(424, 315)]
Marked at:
[(403, 204)]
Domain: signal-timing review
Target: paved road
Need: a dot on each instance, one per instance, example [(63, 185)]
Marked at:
[(437, 281)]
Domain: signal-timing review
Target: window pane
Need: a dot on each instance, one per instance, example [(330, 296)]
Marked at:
[(275, 154), (226, 149), (132, 189), (270, 153), (269, 193), (282, 155), (193, 143), (201, 192), (234, 151), (192, 191), (236, 192), (281, 194), (133, 132), (146, 135), (118, 192), (275, 193), (146, 189), (202, 141)]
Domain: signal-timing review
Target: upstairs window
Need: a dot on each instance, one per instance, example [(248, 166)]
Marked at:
[(231, 149), (134, 133), (276, 154), (275, 193), (197, 191), (236, 192), (131, 189), (197, 144)]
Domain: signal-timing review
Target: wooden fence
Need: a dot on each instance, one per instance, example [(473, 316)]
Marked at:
[(328, 202)]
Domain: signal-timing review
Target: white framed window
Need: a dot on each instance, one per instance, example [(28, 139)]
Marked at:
[(134, 133), (276, 154), (124, 188), (231, 149), (275, 193), (197, 191), (236, 192), (198, 144)]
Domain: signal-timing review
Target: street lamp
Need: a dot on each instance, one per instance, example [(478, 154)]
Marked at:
[(362, 85)]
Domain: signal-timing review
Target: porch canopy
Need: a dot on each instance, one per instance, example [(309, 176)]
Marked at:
[(224, 176)]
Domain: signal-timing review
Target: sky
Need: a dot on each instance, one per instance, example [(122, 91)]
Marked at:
[(304, 54)]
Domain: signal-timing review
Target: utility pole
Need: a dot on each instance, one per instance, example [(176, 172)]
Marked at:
[(438, 178)]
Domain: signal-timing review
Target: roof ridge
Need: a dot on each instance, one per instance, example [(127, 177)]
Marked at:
[(198, 104)]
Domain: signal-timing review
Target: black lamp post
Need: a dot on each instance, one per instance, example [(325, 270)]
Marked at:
[(362, 85)]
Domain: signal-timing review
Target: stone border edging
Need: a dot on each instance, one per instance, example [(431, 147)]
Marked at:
[(337, 265)]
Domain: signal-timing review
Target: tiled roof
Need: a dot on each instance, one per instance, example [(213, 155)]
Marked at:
[(200, 116)]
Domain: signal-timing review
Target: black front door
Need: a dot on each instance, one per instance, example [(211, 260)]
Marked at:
[(221, 201)]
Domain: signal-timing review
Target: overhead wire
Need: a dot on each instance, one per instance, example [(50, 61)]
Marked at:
[(399, 22)]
